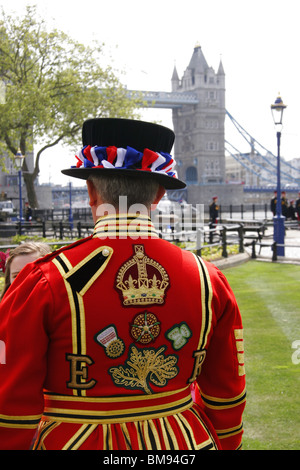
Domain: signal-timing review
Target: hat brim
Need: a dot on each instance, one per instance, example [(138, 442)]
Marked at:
[(168, 182)]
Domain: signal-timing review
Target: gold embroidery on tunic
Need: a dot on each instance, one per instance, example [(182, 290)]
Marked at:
[(145, 366), (142, 280)]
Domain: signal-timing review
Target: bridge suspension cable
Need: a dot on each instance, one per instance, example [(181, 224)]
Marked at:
[(237, 156), (251, 141), (173, 100)]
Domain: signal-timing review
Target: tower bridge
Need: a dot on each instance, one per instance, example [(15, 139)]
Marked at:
[(263, 167), (197, 103), (203, 155)]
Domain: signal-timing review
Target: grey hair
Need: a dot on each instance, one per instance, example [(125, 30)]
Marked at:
[(137, 191)]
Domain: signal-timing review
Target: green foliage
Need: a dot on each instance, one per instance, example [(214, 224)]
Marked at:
[(268, 295), (209, 253), (52, 84), (15, 240), (54, 243)]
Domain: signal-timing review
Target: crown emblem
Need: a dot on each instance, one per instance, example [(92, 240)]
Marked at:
[(142, 280)]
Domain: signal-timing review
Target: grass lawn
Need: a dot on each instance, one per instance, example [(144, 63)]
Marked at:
[(268, 295)]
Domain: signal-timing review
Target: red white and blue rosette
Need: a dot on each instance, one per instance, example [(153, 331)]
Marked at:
[(126, 159)]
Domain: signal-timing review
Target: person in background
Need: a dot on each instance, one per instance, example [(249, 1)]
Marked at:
[(297, 207), (110, 332), (18, 258), (291, 211), (28, 212), (284, 204), (214, 212), (213, 217), (273, 203)]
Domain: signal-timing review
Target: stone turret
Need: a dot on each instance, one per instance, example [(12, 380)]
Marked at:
[(199, 128)]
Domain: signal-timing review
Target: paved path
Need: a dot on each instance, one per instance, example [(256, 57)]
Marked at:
[(291, 250)]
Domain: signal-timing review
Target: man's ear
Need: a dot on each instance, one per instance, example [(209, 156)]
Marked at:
[(93, 196), (160, 193)]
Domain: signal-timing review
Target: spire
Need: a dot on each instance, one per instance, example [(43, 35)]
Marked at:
[(198, 62), (175, 79), (221, 69), (175, 74)]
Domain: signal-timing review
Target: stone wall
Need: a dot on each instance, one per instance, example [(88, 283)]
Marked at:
[(227, 194)]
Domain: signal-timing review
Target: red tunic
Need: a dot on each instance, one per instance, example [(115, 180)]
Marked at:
[(105, 340)]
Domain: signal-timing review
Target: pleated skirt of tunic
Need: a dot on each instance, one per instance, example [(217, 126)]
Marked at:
[(188, 429)]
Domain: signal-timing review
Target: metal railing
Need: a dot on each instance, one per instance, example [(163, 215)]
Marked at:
[(242, 231)]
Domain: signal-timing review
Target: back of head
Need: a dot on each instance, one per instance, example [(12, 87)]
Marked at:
[(122, 191), (26, 248), (30, 247)]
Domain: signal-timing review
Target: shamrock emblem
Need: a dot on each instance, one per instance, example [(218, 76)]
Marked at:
[(179, 335)]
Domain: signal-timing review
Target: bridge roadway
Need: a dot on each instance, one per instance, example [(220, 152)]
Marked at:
[(163, 99)]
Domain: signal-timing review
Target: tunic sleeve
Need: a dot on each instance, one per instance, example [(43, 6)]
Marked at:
[(221, 384), (24, 341)]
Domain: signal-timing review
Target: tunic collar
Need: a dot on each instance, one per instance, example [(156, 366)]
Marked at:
[(124, 226)]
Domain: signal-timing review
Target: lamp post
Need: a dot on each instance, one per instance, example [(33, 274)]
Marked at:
[(279, 230), (19, 159)]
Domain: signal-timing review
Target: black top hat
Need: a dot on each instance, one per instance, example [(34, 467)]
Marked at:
[(127, 147)]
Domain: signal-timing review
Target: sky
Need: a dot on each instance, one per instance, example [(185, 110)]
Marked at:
[(257, 41)]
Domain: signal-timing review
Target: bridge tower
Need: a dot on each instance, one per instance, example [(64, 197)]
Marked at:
[(199, 128)]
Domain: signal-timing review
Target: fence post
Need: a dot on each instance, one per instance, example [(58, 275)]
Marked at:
[(160, 224), (71, 227), (211, 229), (172, 223), (199, 244), (274, 249), (79, 229), (44, 228), (61, 230), (224, 243), (182, 217), (241, 239)]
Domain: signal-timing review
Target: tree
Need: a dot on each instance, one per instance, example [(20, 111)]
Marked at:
[(52, 84)]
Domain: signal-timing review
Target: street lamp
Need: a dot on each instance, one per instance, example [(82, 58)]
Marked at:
[(279, 230), (19, 159)]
